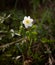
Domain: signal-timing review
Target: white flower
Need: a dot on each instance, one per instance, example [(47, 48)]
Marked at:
[(1, 19), (12, 32), (8, 16), (17, 34), (17, 57), (27, 21)]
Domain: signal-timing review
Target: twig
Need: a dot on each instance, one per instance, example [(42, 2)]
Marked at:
[(1, 32), (9, 44)]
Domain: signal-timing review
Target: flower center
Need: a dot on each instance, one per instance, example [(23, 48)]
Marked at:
[(27, 21)]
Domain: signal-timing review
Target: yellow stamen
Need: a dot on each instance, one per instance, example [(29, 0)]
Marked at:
[(27, 21)]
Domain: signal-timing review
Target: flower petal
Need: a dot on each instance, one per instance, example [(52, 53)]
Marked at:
[(25, 17), (28, 17), (31, 20), (31, 24), (26, 26)]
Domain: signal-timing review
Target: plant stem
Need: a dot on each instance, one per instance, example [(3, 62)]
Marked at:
[(28, 53)]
